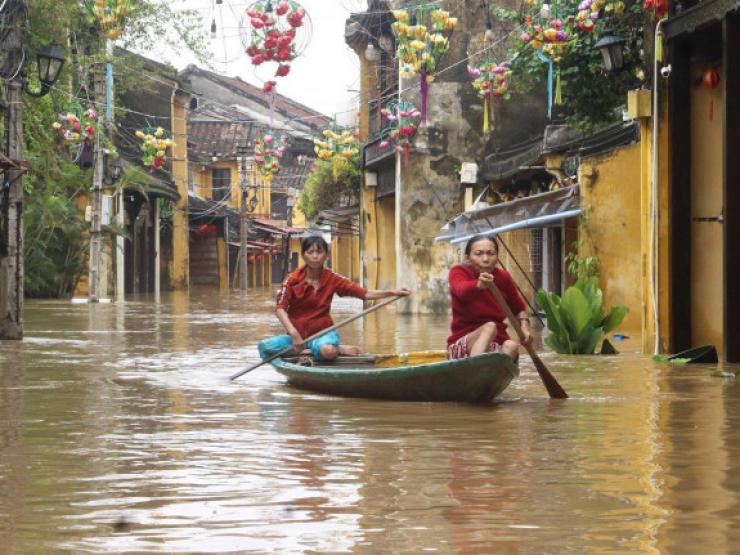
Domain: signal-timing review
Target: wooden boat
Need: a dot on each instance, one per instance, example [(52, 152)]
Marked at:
[(419, 376), (705, 353)]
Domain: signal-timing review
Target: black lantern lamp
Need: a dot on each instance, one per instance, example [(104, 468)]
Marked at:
[(116, 169), (49, 63), (112, 168), (612, 51)]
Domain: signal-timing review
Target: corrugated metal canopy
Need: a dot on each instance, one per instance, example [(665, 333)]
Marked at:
[(528, 212)]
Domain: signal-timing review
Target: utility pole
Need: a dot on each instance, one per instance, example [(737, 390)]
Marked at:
[(96, 204), (242, 150), (11, 188)]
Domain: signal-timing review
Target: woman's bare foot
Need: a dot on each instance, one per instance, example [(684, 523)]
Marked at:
[(349, 350)]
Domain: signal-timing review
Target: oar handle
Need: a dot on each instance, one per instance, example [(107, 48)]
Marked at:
[(551, 384), (317, 335)]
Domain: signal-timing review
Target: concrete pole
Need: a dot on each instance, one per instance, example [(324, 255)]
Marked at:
[(121, 251), (180, 270), (96, 197), (157, 250), (243, 224), (11, 243)]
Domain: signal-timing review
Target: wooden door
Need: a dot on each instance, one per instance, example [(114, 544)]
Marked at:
[(707, 208)]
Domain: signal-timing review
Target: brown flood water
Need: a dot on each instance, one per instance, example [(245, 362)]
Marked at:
[(120, 433)]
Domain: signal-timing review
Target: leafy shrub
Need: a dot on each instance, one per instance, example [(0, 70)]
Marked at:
[(577, 321)]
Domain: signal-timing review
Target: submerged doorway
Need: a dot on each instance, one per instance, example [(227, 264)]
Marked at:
[(706, 207), (705, 187)]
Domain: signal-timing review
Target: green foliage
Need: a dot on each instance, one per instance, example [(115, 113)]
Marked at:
[(590, 96), (332, 183), (577, 322), (54, 227), (56, 244), (665, 359)]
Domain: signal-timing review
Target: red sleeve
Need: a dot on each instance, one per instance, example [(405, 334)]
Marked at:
[(462, 285), (347, 288), (511, 293), (284, 295)]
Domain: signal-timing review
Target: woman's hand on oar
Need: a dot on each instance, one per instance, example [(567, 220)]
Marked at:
[(551, 384), (317, 335)]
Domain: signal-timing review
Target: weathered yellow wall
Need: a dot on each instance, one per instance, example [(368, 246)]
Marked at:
[(663, 286), (610, 198), (707, 200)]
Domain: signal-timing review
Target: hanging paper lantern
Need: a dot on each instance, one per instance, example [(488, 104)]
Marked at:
[(343, 144), (268, 149), (274, 34), (110, 14), (77, 126), (551, 38), (422, 36), (659, 7), (710, 79), (403, 121), (154, 144), (491, 80)]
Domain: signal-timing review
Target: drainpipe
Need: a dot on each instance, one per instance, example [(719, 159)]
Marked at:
[(654, 241)]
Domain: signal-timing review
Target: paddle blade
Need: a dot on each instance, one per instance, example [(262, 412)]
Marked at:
[(551, 384)]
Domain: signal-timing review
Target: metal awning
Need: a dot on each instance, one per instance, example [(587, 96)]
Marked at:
[(522, 213)]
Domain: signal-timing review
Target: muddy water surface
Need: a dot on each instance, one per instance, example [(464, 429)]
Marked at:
[(120, 433)]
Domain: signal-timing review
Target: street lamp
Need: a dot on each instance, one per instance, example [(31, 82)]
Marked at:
[(113, 169), (612, 51), (372, 53), (49, 63)]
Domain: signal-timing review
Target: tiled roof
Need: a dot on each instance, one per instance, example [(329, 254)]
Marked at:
[(219, 137), (282, 104)]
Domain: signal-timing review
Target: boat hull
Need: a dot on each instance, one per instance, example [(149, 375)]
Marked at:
[(476, 379)]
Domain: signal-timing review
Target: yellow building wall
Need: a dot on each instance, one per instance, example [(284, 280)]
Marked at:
[(663, 285), (611, 229)]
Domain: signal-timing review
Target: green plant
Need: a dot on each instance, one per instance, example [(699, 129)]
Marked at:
[(332, 183), (590, 97), (582, 267), (577, 321)]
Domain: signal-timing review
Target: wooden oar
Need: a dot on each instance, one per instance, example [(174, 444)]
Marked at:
[(551, 384), (316, 335)]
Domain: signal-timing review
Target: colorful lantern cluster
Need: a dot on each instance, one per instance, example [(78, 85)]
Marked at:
[(77, 129), (552, 38), (154, 145), (271, 35), (421, 46), (343, 144), (659, 7), (491, 80), (403, 121), (111, 14), (268, 150)]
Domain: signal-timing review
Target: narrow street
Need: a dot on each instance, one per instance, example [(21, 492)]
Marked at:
[(120, 433)]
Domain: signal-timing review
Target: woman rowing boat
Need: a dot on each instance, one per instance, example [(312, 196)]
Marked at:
[(477, 320), (304, 302)]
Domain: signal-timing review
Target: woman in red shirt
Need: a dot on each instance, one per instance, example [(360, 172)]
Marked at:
[(477, 320), (304, 302)]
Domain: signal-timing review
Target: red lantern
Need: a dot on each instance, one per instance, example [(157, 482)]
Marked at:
[(710, 79), (251, 258)]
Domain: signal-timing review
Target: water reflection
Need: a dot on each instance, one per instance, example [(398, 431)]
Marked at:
[(121, 433)]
